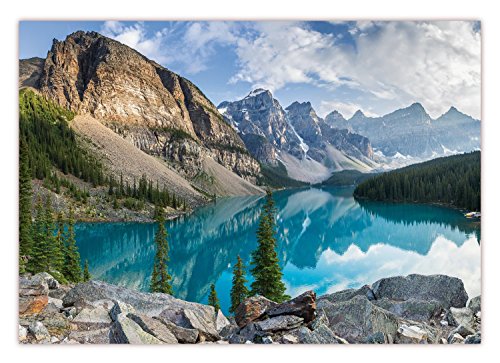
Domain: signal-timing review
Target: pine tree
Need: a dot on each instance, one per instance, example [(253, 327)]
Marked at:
[(160, 279), (86, 273), (266, 269), (40, 250), (213, 300), (72, 268), (25, 194), (239, 291)]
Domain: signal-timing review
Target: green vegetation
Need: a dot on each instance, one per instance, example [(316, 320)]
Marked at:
[(266, 269), (72, 269), (160, 279), (347, 177), (213, 300), (453, 180), (239, 291), (86, 273), (277, 177), (25, 195)]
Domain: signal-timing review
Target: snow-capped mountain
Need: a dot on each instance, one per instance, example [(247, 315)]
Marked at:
[(309, 148), (410, 133)]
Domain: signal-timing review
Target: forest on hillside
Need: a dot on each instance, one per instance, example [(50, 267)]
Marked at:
[(453, 180)]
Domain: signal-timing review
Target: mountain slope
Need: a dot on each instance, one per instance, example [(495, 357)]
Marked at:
[(153, 108)]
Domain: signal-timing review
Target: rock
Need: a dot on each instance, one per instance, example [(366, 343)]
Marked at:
[(119, 308), (127, 331), (221, 321), (321, 318), (455, 339), (203, 322), (55, 322), (54, 340), (348, 294), (154, 327), (412, 334), (251, 309), (228, 330), (448, 291), (22, 333), (52, 283), (69, 341), (105, 304), (303, 306), (358, 318), (462, 330), (60, 292), (96, 316), (70, 312), (39, 331), (93, 336), (420, 310), (462, 316), (473, 339), (289, 339), (322, 335), (475, 304), (247, 333), (267, 340), (30, 305), (57, 303), (376, 338), (33, 286), (183, 335), (278, 323)]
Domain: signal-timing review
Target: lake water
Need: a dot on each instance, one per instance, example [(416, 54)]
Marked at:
[(327, 242)]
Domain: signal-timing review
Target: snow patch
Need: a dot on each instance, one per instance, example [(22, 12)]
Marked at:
[(255, 92), (303, 145)]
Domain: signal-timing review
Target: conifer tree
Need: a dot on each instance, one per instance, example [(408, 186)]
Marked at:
[(239, 291), (58, 262), (160, 279), (72, 269), (213, 300), (25, 193), (39, 252), (86, 273), (266, 269)]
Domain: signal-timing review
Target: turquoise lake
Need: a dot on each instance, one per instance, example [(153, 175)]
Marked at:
[(327, 241)]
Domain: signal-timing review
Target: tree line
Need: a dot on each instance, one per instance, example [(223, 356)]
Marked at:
[(453, 180), (265, 269)]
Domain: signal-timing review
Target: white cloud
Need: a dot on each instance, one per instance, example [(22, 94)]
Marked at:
[(435, 63)]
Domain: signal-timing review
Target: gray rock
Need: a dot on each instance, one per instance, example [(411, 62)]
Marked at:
[(462, 330), (93, 336), (321, 318), (127, 331), (55, 322), (348, 294), (204, 322), (473, 339), (119, 308), (303, 306), (411, 334), (154, 327), (322, 335), (23, 332), (267, 340), (57, 303), (221, 321), (33, 286), (455, 339), (420, 310), (251, 309), (183, 335), (38, 330), (448, 291), (376, 338), (54, 340), (475, 304), (247, 333), (60, 292), (52, 283), (356, 319), (278, 323), (289, 339), (462, 316), (94, 316)]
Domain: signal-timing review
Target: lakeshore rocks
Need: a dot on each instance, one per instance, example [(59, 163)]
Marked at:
[(98, 313)]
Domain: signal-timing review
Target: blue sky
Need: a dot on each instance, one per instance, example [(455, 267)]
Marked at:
[(345, 66)]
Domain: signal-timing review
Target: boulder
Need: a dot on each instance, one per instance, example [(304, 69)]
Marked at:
[(289, 339), (204, 322), (221, 321), (33, 286), (251, 309), (279, 323), (475, 304), (52, 283), (456, 339), (420, 310), (322, 335), (56, 303), (321, 318), (154, 327), (39, 331), (60, 292), (448, 291), (55, 322), (462, 330), (119, 308), (303, 306), (358, 318), (348, 294), (95, 316), (31, 305), (411, 334), (183, 335), (127, 331), (473, 339), (93, 336), (462, 316)]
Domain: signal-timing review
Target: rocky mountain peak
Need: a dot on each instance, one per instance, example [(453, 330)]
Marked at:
[(358, 115)]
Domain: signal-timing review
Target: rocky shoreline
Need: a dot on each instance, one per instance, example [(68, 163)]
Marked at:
[(415, 309)]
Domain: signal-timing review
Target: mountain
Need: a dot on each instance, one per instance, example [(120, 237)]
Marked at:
[(296, 137), (158, 111), (411, 133)]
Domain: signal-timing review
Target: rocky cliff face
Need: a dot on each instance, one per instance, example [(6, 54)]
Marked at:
[(309, 147), (411, 132), (152, 107)]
